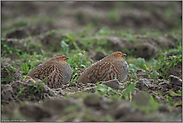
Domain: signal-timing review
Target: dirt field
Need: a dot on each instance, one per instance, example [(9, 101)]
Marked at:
[(150, 33)]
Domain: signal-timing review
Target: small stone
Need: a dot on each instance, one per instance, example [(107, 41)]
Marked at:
[(175, 80), (114, 84)]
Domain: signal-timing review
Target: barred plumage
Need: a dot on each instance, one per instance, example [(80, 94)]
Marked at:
[(111, 67), (56, 70)]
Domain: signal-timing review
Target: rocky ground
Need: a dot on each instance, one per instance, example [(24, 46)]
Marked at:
[(36, 28)]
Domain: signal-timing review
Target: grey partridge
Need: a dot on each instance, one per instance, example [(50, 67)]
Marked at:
[(56, 70), (110, 67)]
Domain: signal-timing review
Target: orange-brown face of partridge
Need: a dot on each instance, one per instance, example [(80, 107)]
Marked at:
[(56, 70), (111, 67), (60, 58)]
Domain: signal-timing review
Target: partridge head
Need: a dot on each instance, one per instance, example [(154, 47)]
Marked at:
[(110, 67), (56, 70)]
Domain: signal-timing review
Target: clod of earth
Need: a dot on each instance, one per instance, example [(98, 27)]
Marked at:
[(112, 83), (18, 91)]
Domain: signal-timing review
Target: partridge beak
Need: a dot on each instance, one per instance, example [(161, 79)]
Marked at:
[(124, 54), (66, 58)]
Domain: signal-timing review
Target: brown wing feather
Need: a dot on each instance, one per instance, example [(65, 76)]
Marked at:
[(42, 71), (99, 72)]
